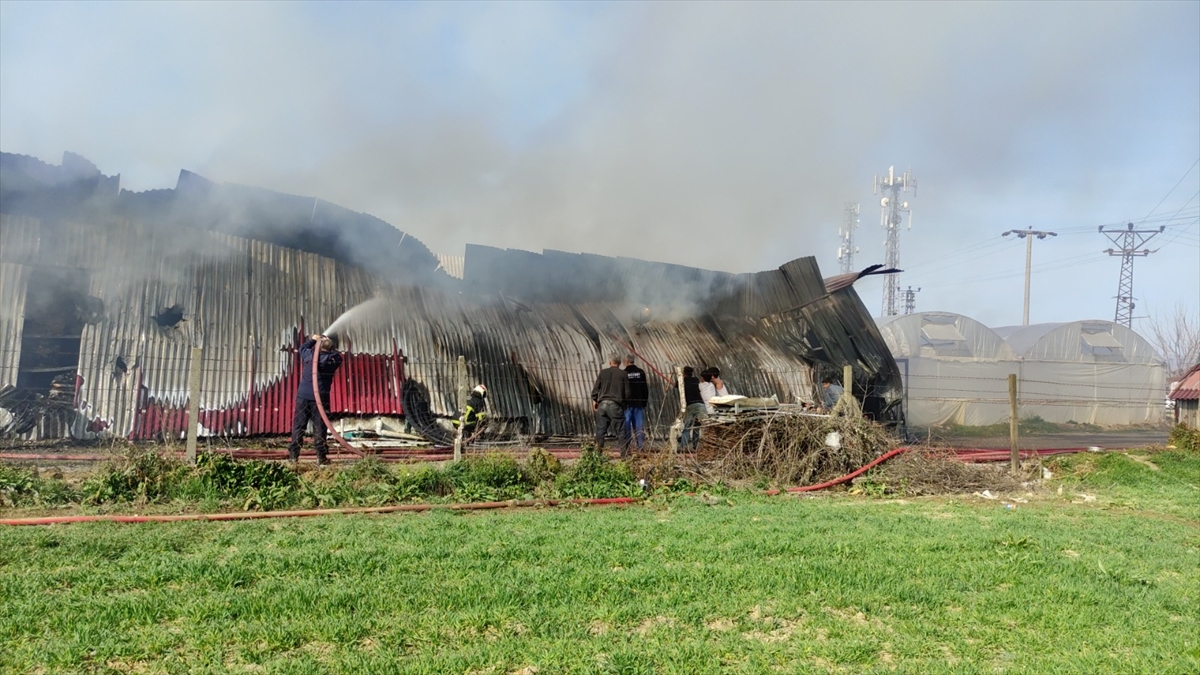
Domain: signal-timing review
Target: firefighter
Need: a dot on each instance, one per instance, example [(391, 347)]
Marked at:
[(306, 402), (474, 413)]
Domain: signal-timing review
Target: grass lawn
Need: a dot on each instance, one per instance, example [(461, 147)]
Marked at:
[(736, 584)]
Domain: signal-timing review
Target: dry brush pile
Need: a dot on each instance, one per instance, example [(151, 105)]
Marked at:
[(787, 447), (933, 471)]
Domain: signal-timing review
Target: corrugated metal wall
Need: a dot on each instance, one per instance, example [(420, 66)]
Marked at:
[(249, 304)]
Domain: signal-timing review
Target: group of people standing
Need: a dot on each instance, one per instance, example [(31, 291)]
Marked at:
[(619, 399), (621, 392), (698, 393)]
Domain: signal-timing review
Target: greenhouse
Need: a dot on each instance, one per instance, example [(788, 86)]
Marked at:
[(1095, 372), (955, 369)]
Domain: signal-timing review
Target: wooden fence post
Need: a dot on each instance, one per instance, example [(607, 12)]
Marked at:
[(1012, 421), (462, 407), (193, 405)]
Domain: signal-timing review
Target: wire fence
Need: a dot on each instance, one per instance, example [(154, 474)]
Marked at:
[(412, 398)]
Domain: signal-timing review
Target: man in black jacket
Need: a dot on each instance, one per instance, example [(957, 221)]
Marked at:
[(306, 402), (635, 406), (694, 411), (608, 400)]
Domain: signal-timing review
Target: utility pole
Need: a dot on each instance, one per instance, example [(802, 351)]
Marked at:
[(1028, 236), (890, 218), (1130, 241), (847, 249), (910, 299)]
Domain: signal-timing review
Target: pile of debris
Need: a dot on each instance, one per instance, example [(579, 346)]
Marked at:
[(787, 445), (930, 471)]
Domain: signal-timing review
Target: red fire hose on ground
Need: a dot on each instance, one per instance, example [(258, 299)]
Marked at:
[(321, 406), (255, 515)]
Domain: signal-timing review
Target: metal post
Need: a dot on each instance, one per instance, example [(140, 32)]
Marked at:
[(677, 428), (193, 405), (1012, 420), (462, 407), (1028, 264)]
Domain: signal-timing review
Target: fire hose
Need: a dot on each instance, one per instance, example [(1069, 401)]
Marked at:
[(321, 406), (254, 515)]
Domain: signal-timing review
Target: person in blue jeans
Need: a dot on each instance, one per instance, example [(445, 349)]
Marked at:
[(635, 406)]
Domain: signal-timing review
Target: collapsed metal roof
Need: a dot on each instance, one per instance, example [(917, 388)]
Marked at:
[(138, 294)]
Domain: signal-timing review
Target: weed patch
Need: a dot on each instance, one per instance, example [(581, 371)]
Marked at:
[(594, 475), (27, 487), (1185, 439), (218, 481)]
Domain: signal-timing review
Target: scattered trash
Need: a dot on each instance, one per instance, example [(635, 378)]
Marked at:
[(1046, 474), (1094, 448), (1086, 498), (833, 440), (1020, 500), (1010, 507), (986, 494)]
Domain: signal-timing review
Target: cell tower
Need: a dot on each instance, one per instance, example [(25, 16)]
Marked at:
[(1131, 242), (892, 214), (910, 299), (847, 250)]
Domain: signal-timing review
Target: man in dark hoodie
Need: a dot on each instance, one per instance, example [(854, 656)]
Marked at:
[(635, 406), (608, 400), (694, 411), (306, 402)]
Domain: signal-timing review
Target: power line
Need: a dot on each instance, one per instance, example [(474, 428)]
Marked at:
[(1185, 175)]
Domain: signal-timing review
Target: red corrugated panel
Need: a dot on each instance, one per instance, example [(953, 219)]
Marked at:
[(1189, 386), (364, 385)]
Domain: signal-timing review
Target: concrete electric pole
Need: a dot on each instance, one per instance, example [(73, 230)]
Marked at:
[(1028, 236), (890, 218), (1130, 241), (847, 249)]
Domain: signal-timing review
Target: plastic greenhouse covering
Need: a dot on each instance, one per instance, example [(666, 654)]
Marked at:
[(956, 371)]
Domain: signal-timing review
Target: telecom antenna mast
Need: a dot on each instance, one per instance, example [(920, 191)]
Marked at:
[(1131, 242), (847, 249), (891, 216)]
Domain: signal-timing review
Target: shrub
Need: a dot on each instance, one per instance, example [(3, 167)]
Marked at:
[(265, 485), (426, 481), (369, 468), (593, 475), (1184, 438), (26, 487), (542, 466), (141, 475), (493, 470)]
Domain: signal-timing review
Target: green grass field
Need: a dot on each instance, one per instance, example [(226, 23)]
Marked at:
[(729, 584)]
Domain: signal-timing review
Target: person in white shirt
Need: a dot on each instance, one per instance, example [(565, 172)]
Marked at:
[(711, 385)]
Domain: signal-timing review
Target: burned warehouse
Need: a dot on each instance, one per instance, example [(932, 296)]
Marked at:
[(104, 293)]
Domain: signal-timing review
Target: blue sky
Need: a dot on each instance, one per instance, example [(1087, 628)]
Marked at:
[(722, 135)]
